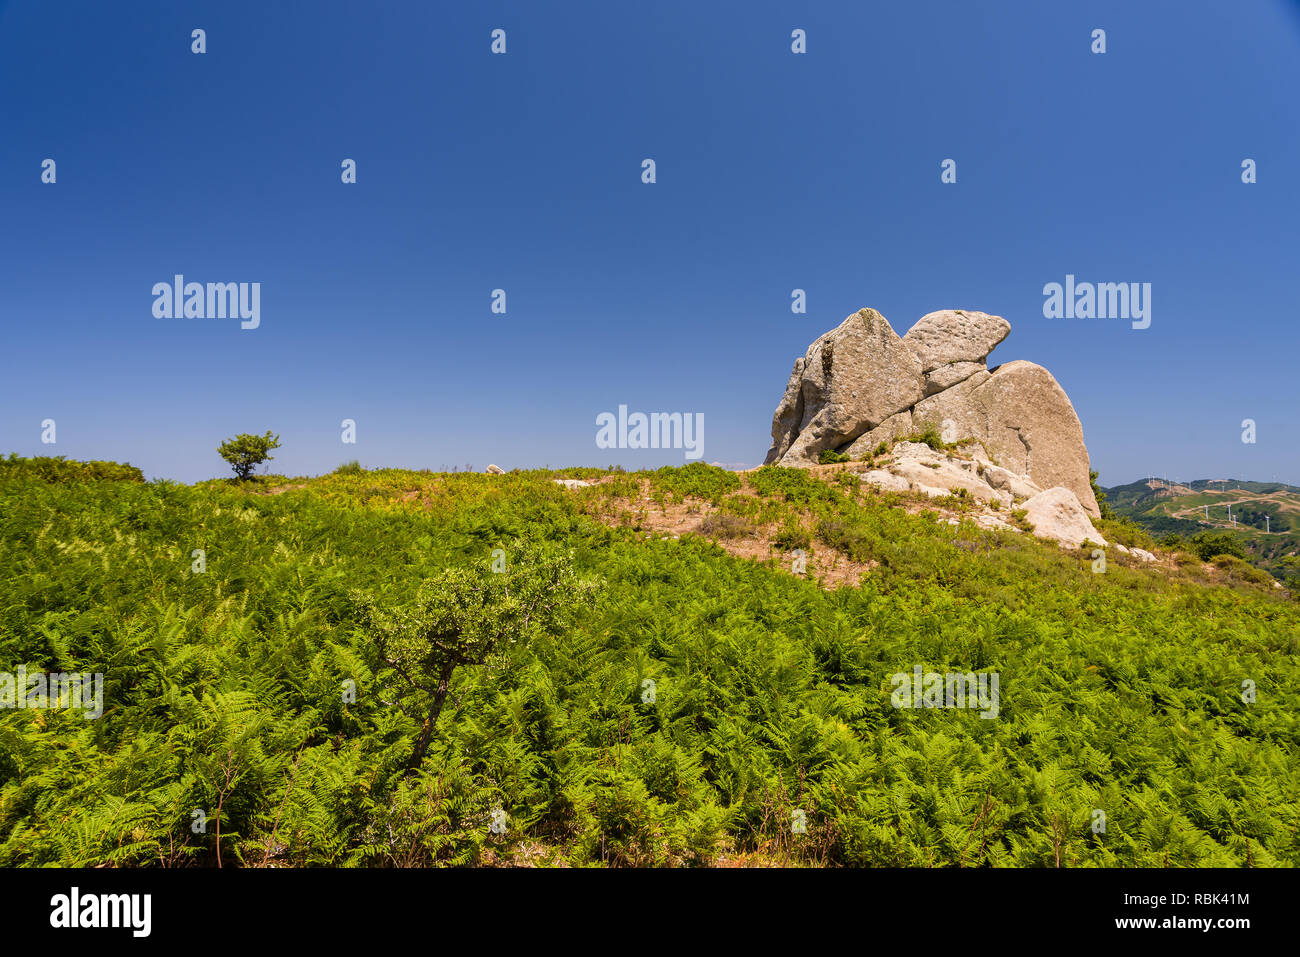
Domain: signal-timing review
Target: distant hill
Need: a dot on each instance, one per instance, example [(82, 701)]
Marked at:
[(1265, 516)]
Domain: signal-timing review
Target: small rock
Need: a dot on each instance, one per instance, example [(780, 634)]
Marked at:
[(992, 521), (494, 470), (886, 480), (1057, 514), (1008, 481)]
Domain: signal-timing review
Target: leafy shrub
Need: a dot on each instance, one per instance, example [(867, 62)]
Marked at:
[(929, 436), (792, 535), (1100, 495), (1124, 531), (1290, 569), (850, 480), (831, 457), (1242, 571), (958, 499), (696, 480), (349, 468), (1206, 545), (60, 469), (853, 540), (793, 485)]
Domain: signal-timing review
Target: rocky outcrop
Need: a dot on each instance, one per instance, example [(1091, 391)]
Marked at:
[(849, 381), (965, 478), (861, 384), (965, 481), (917, 467)]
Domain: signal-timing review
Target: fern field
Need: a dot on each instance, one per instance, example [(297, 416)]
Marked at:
[(696, 704)]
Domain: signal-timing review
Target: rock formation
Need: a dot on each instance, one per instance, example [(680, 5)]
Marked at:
[(861, 384)]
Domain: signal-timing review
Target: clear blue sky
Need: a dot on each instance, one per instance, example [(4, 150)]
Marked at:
[(523, 172)]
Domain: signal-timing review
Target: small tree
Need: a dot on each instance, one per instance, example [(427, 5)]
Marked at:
[(464, 617), (246, 452), (1207, 545), (1102, 506)]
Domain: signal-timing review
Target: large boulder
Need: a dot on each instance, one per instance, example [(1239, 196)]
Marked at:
[(849, 381), (952, 345), (1057, 514), (1024, 419), (955, 335)]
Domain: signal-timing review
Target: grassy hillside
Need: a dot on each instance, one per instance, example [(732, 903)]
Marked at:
[(227, 688), (1264, 517)]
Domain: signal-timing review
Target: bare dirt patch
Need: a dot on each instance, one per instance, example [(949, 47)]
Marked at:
[(737, 537)]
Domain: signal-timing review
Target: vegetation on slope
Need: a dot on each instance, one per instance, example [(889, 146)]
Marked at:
[(696, 701)]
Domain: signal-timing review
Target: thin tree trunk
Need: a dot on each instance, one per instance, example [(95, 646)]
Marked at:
[(431, 722)]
